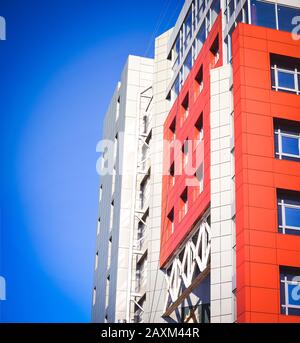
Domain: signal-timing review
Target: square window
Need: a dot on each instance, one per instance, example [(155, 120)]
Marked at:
[(172, 176), (171, 221), (94, 296), (96, 260), (185, 108), (285, 73), (285, 17), (287, 139), (288, 203), (286, 79), (199, 177), (263, 14), (172, 130), (185, 152), (183, 203), (200, 39), (290, 291), (198, 85), (198, 131), (214, 50)]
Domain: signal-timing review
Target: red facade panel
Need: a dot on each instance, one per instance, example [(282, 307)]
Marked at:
[(198, 102), (260, 249)]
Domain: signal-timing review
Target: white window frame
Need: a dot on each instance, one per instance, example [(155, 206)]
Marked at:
[(294, 72), (283, 204), (279, 134), (286, 305)]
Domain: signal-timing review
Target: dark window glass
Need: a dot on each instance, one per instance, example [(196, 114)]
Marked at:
[(176, 86), (201, 37), (290, 145), (290, 291), (287, 139), (263, 14), (286, 80), (292, 216), (188, 64), (285, 16), (288, 212), (231, 7), (196, 314)]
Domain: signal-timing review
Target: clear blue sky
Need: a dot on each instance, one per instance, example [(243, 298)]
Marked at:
[(58, 69)]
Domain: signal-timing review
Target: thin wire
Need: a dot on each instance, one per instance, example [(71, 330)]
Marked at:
[(158, 24)]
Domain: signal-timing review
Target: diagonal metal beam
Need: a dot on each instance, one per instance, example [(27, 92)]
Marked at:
[(187, 291)]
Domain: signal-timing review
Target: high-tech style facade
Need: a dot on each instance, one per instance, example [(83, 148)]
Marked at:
[(212, 218), (230, 243), (127, 278)]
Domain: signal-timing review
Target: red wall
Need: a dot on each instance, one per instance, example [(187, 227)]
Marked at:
[(260, 248), (197, 204)]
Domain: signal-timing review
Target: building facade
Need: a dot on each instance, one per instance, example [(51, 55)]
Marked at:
[(127, 278), (222, 219)]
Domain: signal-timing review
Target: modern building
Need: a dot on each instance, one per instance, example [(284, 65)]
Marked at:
[(222, 240), (127, 274)]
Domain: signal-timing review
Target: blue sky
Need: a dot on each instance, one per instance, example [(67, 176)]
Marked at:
[(58, 69)]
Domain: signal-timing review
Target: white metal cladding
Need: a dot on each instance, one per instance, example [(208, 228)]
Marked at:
[(193, 257)]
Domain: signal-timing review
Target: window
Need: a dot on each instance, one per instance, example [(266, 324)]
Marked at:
[(199, 176), (185, 108), (107, 291), (287, 140), (272, 15), (263, 14), (144, 191), (115, 147), (185, 152), (139, 310), (183, 203), (285, 74), (113, 179), (172, 175), (198, 131), (98, 226), (230, 6), (200, 38), (199, 82), (96, 260), (214, 49), (109, 251), (176, 50), (200, 9), (118, 109), (196, 314), (141, 274), (188, 65), (215, 9), (100, 193), (141, 231), (181, 78), (288, 203), (111, 214), (188, 29), (94, 296), (175, 88), (172, 130), (290, 291), (145, 124), (144, 156), (285, 17), (171, 221)]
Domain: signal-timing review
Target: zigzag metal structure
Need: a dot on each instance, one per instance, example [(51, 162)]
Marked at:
[(195, 255)]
